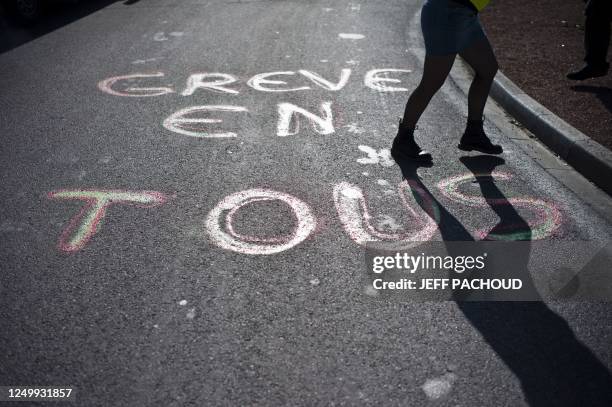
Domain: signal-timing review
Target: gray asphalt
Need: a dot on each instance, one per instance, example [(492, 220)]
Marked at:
[(152, 312)]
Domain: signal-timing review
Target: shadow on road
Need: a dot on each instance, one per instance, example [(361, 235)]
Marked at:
[(553, 366), (57, 15), (603, 93)]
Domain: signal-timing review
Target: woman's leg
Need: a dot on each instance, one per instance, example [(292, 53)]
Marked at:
[(435, 71), (481, 58)]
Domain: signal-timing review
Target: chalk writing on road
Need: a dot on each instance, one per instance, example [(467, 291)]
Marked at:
[(184, 123), (547, 217), (353, 212), (229, 239), (140, 84), (351, 203), (85, 223), (351, 206)]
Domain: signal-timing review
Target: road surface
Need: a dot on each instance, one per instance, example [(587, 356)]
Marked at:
[(151, 257)]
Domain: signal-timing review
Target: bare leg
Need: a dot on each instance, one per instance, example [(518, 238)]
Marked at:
[(481, 58), (435, 71)]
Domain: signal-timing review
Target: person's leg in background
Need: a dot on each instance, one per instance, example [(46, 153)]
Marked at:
[(435, 71), (596, 40), (481, 58), (597, 32)]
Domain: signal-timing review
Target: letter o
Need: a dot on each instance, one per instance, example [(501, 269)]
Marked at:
[(230, 240)]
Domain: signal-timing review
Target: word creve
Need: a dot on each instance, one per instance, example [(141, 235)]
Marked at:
[(141, 84), (193, 121)]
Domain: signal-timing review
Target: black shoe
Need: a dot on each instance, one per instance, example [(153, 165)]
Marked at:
[(475, 139), (589, 71), (405, 147)]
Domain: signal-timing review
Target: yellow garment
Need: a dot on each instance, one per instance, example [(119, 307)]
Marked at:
[(480, 4)]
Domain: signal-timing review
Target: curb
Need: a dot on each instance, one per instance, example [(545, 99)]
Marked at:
[(585, 155)]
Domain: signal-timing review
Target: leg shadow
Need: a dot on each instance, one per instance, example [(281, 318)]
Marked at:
[(603, 93), (552, 365)]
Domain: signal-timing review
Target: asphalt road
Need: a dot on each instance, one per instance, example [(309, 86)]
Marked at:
[(155, 261)]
